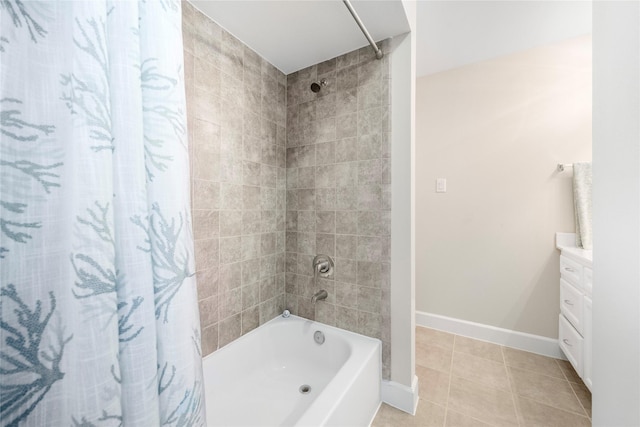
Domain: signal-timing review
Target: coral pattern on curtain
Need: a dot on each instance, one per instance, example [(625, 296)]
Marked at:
[(98, 315)]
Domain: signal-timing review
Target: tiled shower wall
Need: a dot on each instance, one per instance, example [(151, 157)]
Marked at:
[(236, 109), (338, 193), (262, 144)]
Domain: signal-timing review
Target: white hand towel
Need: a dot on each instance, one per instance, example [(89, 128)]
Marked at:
[(582, 204)]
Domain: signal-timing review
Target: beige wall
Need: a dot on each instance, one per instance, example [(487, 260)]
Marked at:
[(496, 130)]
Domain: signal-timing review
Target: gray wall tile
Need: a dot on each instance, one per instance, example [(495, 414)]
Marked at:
[(208, 281), (250, 319), (346, 174), (346, 246), (346, 270), (347, 222), (206, 253), (325, 221), (250, 271), (326, 244), (346, 295), (346, 198), (347, 150), (230, 276), (251, 246), (325, 153), (325, 199), (230, 223), (230, 249), (208, 310), (229, 329), (307, 221), (347, 103), (230, 303)]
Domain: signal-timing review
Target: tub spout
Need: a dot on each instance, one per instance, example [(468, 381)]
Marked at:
[(320, 295)]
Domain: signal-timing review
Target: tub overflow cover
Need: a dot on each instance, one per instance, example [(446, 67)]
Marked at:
[(305, 389), (318, 337)]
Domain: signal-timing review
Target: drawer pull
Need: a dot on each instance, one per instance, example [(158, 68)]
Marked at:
[(570, 270), (568, 302), (566, 341)]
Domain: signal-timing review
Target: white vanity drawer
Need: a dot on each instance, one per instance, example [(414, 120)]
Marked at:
[(571, 301), (570, 271), (571, 344), (587, 280)]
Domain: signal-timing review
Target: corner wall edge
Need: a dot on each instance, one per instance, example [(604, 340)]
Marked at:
[(400, 396)]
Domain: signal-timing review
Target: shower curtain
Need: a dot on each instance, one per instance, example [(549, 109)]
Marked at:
[(98, 314)]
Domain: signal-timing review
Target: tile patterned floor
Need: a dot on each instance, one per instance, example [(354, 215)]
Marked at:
[(464, 382)]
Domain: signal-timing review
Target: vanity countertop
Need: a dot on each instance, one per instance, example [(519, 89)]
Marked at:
[(566, 242)]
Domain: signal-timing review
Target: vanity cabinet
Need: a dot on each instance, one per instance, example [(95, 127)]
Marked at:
[(574, 322)]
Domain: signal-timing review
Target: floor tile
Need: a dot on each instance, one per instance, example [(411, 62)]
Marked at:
[(484, 403), (477, 348), (545, 389), (456, 419), (535, 414), (584, 396), (389, 416), (434, 357), (568, 371), (482, 371), (434, 385), (532, 362), (428, 414), (466, 382), (434, 337)]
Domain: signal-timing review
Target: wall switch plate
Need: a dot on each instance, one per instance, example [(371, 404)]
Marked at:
[(441, 185)]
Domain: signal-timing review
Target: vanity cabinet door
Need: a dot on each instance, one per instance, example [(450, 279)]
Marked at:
[(571, 301), (571, 344), (571, 271)]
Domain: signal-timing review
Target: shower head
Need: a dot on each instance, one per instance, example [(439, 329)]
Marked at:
[(316, 86)]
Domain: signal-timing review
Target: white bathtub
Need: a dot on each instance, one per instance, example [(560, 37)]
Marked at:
[(256, 380)]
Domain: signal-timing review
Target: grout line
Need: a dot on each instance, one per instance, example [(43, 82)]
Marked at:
[(558, 379), (562, 370), (573, 390), (446, 406), (514, 399), (513, 392), (551, 405), (555, 407), (579, 401), (538, 372)]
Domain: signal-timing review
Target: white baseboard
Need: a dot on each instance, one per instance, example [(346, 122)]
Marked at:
[(506, 337), (400, 396)]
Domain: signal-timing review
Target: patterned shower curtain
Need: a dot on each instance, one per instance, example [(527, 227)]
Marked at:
[(98, 315)]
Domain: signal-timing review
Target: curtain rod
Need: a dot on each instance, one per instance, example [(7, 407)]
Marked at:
[(373, 44)]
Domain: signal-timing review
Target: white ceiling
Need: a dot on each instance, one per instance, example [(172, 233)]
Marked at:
[(455, 33), (294, 34)]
